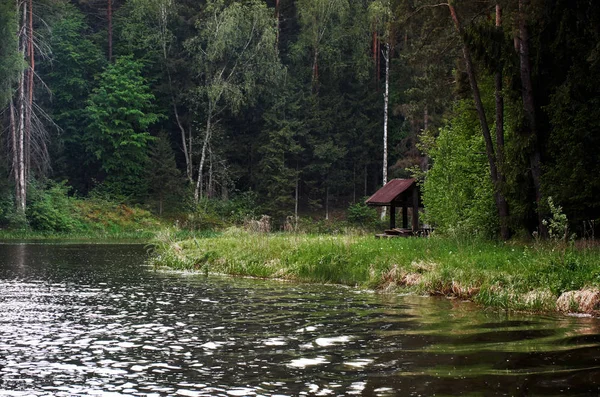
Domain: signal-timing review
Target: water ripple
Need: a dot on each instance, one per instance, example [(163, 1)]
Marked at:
[(93, 321)]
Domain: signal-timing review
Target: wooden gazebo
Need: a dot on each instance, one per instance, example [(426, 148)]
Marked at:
[(399, 193)]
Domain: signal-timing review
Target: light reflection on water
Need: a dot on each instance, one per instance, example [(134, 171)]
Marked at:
[(92, 320)]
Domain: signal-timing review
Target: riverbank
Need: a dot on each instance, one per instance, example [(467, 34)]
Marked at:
[(59, 217), (512, 276)]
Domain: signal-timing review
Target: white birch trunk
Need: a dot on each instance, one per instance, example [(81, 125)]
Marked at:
[(385, 120), (21, 194), (199, 191), (186, 151), (209, 189), (20, 183)]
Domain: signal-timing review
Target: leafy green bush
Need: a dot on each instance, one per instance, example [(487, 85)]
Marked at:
[(558, 224), (214, 214), (457, 192), (9, 216), (51, 209)]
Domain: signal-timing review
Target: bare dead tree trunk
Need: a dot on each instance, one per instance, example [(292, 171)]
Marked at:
[(199, 188), (501, 205), (20, 182), (209, 189), (14, 145), (30, 87), (27, 134), (385, 118), (529, 108), (186, 151), (191, 149)]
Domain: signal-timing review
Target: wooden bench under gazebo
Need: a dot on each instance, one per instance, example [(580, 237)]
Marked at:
[(399, 193)]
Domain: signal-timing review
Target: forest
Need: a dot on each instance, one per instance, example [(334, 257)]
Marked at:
[(303, 108)]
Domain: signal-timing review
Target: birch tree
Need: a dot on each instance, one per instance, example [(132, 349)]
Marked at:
[(235, 58), (380, 13)]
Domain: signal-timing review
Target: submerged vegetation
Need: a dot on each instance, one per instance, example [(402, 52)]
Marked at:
[(502, 275)]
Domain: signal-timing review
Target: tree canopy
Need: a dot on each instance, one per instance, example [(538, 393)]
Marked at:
[(493, 105)]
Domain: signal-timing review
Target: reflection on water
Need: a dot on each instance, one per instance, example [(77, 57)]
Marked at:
[(93, 320)]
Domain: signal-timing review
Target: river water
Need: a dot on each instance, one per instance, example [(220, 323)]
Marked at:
[(94, 320)]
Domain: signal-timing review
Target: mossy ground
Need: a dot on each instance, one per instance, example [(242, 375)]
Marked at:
[(504, 275)]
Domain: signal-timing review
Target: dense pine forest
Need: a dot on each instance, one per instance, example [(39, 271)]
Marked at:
[(303, 107)]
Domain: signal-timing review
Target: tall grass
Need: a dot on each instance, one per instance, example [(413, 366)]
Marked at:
[(511, 276)]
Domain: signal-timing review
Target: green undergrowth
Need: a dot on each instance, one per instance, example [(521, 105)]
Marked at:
[(64, 217), (503, 275)]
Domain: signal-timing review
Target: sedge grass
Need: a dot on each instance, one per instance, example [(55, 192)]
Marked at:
[(507, 276)]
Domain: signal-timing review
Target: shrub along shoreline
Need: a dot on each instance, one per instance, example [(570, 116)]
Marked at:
[(540, 277)]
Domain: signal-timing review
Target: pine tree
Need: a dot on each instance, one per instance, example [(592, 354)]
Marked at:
[(163, 178), (120, 111)]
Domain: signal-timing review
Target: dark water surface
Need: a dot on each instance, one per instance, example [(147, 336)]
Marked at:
[(93, 320)]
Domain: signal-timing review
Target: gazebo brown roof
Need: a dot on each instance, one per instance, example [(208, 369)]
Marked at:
[(399, 193), (391, 192)]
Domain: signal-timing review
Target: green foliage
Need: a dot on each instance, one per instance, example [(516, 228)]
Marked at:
[(280, 152), (10, 61), (10, 218), (215, 214), (50, 208), (558, 224), (235, 54), (296, 106), (120, 111), (361, 214), (145, 28), (322, 31), (572, 171), (107, 217), (70, 76), (165, 183), (457, 193)]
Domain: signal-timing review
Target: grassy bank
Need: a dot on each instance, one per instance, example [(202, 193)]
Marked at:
[(508, 276), (72, 218)]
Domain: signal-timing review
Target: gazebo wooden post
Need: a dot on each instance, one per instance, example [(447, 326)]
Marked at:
[(415, 210), (404, 215), (392, 216)]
